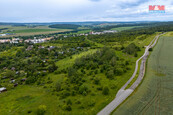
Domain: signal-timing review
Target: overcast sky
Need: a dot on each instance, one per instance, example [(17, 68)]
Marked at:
[(82, 10)]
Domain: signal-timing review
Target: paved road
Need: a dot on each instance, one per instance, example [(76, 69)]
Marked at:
[(122, 93)]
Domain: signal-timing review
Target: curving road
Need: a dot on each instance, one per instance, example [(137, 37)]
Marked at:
[(122, 93)]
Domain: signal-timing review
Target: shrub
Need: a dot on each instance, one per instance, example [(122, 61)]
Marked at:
[(91, 103), (69, 102), (83, 89), (119, 71), (58, 86), (110, 74), (68, 108), (41, 110), (105, 90), (96, 81), (151, 49), (136, 55)]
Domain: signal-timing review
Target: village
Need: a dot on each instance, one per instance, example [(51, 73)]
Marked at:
[(42, 40)]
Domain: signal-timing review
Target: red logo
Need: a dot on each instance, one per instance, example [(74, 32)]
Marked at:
[(157, 8)]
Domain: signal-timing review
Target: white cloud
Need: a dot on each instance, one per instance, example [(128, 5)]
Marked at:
[(79, 10)]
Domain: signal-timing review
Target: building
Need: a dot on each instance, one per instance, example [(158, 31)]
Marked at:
[(3, 89), (15, 40), (109, 31), (4, 40)]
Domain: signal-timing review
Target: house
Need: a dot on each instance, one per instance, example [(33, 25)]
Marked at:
[(15, 40), (51, 47), (16, 84), (41, 47), (12, 81), (3, 89), (13, 68), (29, 48)]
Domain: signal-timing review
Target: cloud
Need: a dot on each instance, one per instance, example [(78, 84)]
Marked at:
[(80, 10), (95, 0)]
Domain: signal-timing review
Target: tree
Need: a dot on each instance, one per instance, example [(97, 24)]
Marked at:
[(105, 90), (31, 79), (110, 74), (71, 71), (52, 67), (119, 71), (9, 74)]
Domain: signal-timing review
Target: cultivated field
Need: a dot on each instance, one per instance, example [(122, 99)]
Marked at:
[(125, 28), (154, 95), (26, 30)]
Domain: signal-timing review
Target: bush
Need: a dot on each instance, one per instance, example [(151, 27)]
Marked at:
[(105, 90), (41, 110), (91, 103), (119, 71), (31, 80), (151, 49), (136, 55), (110, 74), (58, 86), (83, 90), (96, 81), (69, 102), (68, 108)]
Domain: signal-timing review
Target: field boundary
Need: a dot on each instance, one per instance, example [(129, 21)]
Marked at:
[(123, 94)]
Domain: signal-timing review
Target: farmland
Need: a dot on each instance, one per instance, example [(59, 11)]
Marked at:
[(154, 95), (125, 28), (27, 30)]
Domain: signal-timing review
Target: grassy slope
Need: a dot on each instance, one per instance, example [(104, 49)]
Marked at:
[(154, 95), (62, 64), (25, 92), (28, 95)]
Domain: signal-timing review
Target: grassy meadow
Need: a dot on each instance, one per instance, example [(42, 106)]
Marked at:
[(24, 99)]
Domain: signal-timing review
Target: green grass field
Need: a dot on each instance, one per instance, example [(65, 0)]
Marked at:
[(154, 95), (125, 28), (25, 31)]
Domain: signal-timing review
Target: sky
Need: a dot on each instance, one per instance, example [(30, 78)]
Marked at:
[(82, 10)]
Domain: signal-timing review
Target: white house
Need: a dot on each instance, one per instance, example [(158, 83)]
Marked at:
[(3, 89)]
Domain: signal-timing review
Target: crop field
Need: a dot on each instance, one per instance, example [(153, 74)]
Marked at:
[(154, 95), (25, 31), (125, 28)]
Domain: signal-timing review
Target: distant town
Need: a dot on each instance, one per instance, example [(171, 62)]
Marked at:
[(42, 40)]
